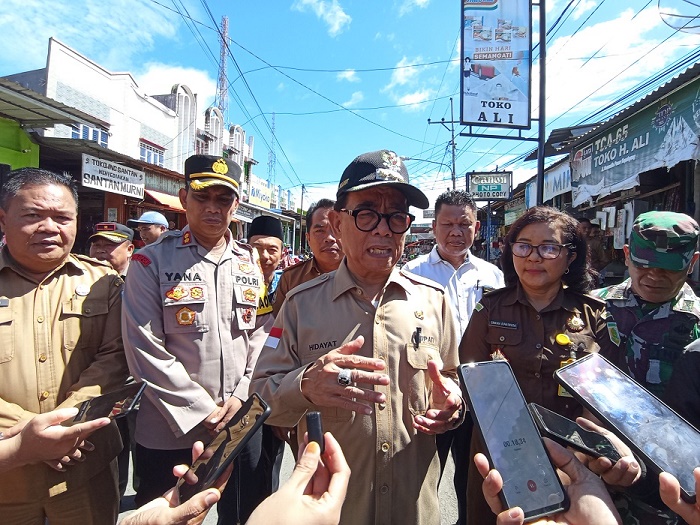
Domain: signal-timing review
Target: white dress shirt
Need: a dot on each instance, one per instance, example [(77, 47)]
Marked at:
[(464, 286)]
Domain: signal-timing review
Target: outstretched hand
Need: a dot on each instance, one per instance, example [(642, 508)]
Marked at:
[(320, 382), (445, 403)]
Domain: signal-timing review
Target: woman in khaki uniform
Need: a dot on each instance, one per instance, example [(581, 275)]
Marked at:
[(540, 321)]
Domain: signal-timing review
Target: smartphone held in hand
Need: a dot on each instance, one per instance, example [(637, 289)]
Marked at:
[(513, 443)]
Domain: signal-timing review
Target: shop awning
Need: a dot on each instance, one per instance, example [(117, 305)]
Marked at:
[(170, 201)]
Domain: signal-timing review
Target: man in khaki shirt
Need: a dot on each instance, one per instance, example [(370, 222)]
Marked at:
[(373, 349), (60, 344), (327, 252)]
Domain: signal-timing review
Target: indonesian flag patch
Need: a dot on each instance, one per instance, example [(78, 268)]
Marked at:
[(274, 338)]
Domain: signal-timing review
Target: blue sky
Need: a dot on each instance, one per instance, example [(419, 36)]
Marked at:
[(348, 76)]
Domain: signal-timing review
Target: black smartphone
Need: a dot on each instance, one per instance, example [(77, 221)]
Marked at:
[(225, 447), (664, 440), (112, 405), (513, 443), (570, 434), (314, 428)]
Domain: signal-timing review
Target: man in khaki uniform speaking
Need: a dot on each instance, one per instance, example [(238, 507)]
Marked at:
[(60, 344), (373, 349)]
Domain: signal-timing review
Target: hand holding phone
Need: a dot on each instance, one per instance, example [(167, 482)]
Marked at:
[(513, 443), (588, 496), (112, 405), (570, 434), (225, 447), (664, 440)]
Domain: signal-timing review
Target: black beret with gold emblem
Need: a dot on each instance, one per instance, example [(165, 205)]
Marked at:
[(202, 171), (380, 167)]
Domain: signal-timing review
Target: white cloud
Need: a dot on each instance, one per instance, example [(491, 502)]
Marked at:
[(349, 74), (85, 26), (414, 100), (602, 61), (402, 75), (408, 5), (583, 7), (330, 12), (157, 79), (355, 99)]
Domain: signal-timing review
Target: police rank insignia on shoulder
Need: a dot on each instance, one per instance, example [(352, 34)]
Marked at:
[(185, 316), (187, 238), (575, 323)]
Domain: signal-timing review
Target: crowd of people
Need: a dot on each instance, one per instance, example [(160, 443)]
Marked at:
[(206, 320)]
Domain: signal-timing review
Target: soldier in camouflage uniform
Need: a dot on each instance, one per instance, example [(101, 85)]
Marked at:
[(654, 315)]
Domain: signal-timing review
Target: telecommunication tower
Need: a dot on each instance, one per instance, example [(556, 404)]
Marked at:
[(272, 156), (222, 91)]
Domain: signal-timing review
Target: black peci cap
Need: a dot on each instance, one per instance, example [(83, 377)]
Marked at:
[(265, 225), (380, 167)]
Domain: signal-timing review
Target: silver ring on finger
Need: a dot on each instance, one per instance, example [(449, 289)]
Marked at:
[(345, 377)]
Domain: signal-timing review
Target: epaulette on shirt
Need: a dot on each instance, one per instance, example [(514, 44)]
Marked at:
[(92, 261), (295, 266), (421, 280), (165, 235), (309, 284)]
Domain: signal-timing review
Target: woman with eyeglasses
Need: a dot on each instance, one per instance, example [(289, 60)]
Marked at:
[(542, 320)]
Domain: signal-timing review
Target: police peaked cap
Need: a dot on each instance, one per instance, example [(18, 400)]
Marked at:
[(203, 171)]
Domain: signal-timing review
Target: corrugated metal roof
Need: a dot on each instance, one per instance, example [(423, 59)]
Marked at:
[(34, 110), (677, 82)]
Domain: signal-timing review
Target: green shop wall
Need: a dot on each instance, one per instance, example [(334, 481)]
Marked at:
[(16, 148)]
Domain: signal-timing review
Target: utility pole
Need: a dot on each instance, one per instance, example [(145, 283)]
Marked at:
[(541, 124), (452, 140), (301, 221)]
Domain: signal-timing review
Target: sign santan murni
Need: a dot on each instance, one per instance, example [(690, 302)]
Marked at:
[(105, 175), (660, 135), (491, 186)]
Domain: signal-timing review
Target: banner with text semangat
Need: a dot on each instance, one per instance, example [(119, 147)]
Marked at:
[(496, 66)]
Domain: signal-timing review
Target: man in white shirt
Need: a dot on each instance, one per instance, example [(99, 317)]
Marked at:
[(465, 277)]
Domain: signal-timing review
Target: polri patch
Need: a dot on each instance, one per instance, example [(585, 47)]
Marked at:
[(185, 316)]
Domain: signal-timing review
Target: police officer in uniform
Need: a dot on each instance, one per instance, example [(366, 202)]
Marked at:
[(189, 318), (655, 315)]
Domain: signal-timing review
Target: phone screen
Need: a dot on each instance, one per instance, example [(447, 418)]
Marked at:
[(112, 405), (514, 445), (225, 447), (647, 423), (569, 433)]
